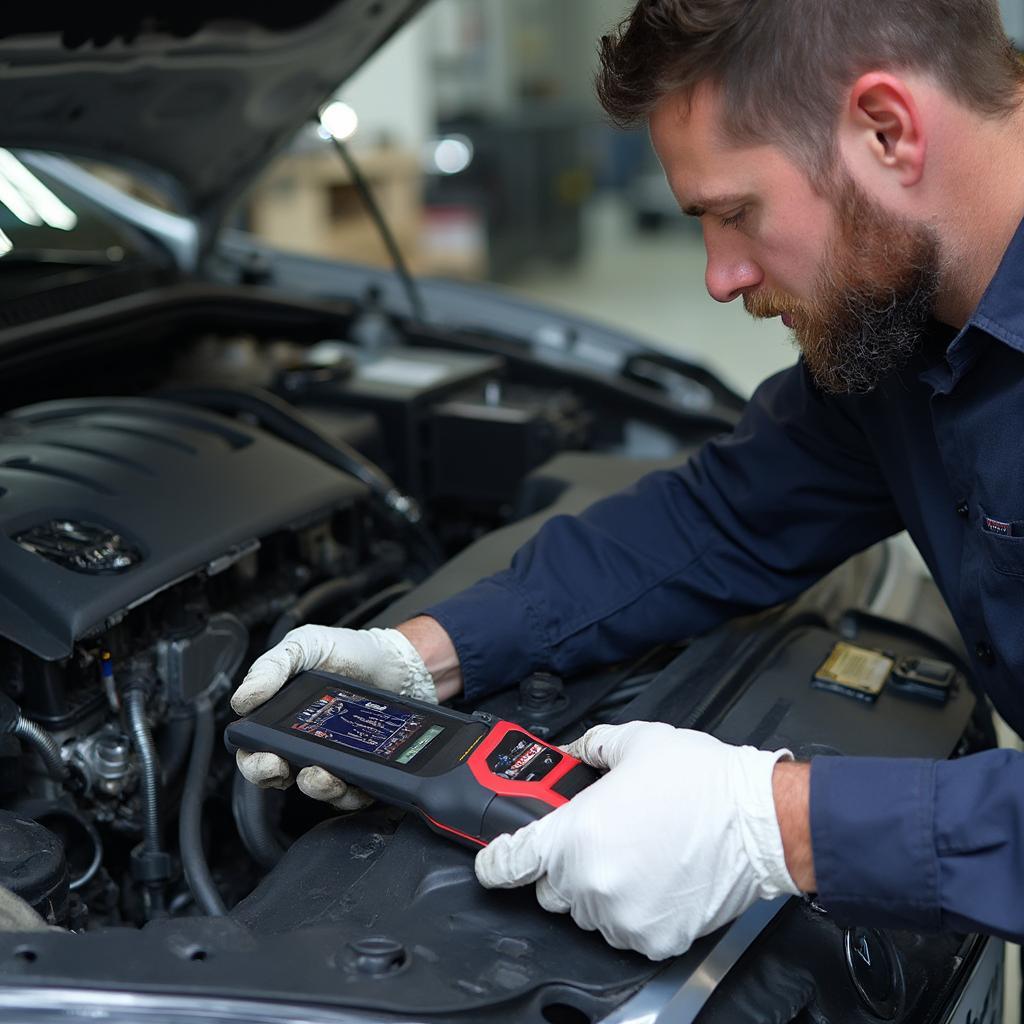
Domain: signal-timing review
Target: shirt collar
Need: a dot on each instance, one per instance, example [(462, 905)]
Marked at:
[(1001, 310), (999, 315)]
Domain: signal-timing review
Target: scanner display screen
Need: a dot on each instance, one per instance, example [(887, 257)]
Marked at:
[(369, 726)]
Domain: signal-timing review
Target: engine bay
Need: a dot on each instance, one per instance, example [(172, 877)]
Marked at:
[(174, 501), (184, 503)]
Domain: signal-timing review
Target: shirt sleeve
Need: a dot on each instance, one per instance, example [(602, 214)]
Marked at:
[(755, 517), (924, 845)]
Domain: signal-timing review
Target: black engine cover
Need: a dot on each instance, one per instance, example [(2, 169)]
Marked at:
[(106, 501)]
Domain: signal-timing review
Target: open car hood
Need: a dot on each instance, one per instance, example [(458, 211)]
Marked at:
[(199, 95)]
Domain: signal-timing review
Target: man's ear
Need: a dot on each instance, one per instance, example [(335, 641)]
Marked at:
[(881, 129)]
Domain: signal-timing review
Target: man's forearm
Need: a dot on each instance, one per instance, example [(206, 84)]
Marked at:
[(438, 652), (791, 786)]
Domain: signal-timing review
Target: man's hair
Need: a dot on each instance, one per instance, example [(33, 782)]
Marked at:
[(781, 66)]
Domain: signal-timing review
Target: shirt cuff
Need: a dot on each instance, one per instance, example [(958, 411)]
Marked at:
[(495, 635), (873, 838)]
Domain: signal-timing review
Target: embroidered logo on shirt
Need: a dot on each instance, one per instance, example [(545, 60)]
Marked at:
[(997, 526)]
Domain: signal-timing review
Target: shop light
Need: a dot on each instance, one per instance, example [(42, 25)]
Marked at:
[(339, 121), (40, 202), (452, 154), (17, 204)]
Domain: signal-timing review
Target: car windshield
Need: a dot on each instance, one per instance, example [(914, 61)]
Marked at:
[(51, 236)]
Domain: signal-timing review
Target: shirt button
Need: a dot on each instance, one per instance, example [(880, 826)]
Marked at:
[(984, 652), (963, 509)]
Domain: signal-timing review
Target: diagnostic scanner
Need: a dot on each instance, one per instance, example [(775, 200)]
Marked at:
[(471, 777)]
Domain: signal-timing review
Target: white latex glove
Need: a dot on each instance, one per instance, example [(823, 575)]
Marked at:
[(679, 837), (376, 657)]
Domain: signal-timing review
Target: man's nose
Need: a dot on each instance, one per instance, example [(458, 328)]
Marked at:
[(729, 276)]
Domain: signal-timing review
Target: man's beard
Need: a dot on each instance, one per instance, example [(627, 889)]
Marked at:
[(874, 296)]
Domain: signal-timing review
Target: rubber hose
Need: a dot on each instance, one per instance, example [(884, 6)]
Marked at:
[(69, 825), (174, 745), (252, 818), (135, 705), (374, 605), (310, 603), (190, 821), (45, 745), (280, 418)]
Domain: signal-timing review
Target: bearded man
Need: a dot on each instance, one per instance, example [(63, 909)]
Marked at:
[(858, 170)]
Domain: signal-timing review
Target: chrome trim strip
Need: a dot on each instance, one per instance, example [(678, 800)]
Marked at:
[(36, 1005), (678, 993)]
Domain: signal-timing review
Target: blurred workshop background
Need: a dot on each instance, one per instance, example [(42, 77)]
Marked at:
[(479, 131)]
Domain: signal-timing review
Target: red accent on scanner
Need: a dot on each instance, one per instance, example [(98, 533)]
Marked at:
[(539, 790)]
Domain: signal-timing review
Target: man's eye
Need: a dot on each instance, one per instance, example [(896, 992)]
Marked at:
[(736, 219)]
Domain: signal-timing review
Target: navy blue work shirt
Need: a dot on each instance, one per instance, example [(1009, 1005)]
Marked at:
[(805, 481)]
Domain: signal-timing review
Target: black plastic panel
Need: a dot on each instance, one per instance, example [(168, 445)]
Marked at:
[(183, 488), (781, 708), (350, 887)]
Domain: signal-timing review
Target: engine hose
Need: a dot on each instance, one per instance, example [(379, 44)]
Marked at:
[(77, 833), (311, 603), (174, 745), (190, 821), (135, 704), (281, 419), (375, 604), (252, 818), (153, 860), (45, 746)]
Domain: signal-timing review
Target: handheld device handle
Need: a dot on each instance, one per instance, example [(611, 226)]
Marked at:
[(509, 813)]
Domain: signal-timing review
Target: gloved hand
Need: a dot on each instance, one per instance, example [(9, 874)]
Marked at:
[(679, 837), (377, 657)]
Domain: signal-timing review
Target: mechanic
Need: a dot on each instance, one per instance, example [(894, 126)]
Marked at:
[(858, 169)]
